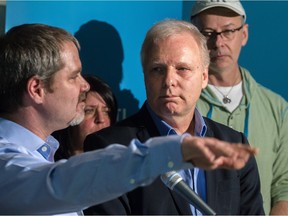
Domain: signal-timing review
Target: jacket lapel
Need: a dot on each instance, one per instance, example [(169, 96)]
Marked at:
[(211, 183), (211, 189), (145, 124), (146, 130)]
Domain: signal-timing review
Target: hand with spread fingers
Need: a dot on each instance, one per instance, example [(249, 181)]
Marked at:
[(211, 153)]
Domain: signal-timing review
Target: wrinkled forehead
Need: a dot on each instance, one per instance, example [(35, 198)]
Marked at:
[(184, 38)]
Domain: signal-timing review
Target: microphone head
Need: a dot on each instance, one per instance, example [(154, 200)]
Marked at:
[(170, 179)]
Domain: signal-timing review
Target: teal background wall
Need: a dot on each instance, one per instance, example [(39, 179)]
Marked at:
[(111, 34)]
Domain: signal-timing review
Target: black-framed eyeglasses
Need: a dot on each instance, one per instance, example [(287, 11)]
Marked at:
[(227, 34)]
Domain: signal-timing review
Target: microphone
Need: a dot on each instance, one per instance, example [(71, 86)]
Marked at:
[(175, 182)]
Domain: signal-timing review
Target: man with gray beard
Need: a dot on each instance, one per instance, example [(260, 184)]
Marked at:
[(41, 91)]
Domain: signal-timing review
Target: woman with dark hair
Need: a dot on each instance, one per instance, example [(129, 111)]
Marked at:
[(100, 112)]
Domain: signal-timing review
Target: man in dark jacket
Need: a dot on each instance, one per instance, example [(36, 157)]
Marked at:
[(175, 62)]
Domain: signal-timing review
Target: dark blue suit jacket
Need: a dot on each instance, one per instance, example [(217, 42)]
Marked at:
[(229, 192)]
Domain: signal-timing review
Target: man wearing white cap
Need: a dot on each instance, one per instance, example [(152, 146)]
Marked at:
[(234, 98)]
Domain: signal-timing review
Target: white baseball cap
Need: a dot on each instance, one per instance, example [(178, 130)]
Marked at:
[(203, 5)]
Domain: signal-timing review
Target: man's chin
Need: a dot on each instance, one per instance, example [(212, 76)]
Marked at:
[(77, 119)]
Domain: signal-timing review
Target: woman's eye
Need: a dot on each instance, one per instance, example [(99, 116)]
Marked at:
[(88, 111)]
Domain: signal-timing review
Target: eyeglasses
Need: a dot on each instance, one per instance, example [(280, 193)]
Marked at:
[(227, 34)]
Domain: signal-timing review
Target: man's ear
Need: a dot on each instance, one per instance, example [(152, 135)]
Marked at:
[(35, 89), (205, 77), (245, 34)]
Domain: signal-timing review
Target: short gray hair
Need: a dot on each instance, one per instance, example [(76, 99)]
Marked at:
[(168, 27)]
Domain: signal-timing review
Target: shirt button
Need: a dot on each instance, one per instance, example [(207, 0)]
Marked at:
[(132, 181), (170, 164), (44, 148)]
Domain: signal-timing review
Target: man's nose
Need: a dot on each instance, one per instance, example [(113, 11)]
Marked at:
[(99, 116), (85, 85), (169, 78)]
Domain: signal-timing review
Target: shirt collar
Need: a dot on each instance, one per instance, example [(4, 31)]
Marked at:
[(165, 129), (27, 139)]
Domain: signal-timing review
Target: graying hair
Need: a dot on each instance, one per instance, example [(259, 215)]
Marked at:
[(169, 27), (25, 51)]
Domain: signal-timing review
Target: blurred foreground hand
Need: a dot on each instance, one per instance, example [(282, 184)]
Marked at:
[(211, 153)]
